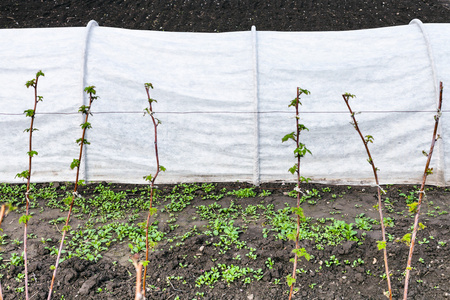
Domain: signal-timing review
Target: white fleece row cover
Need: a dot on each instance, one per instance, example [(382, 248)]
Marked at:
[(223, 102)]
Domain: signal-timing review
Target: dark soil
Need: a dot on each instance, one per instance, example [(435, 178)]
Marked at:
[(186, 252), (178, 262), (223, 15)]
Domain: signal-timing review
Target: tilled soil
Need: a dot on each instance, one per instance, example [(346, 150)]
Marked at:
[(351, 269), (223, 15)]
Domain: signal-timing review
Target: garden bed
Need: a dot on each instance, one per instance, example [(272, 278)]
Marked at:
[(224, 241)]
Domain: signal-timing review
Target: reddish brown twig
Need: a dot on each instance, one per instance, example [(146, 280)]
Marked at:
[(427, 172), (34, 84), (380, 207), (3, 212), (151, 178), (138, 266), (300, 151), (85, 110)]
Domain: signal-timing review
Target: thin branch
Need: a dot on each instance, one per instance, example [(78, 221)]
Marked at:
[(3, 211), (419, 203), (380, 207), (152, 182), (91, 92), (138, 267), (299, 128), (34, 84)]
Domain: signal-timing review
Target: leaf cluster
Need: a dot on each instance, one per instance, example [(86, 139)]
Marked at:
[(75, 163), (295, 102), (82, 141), (32, 82), (25, 174), (32, 153)]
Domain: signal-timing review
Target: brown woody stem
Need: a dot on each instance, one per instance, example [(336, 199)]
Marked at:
[(152, 184), (380, 207)]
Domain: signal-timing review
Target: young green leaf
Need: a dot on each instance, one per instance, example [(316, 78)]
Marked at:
[(153, 211), (32, 153), (302, 127), (305, 180), (348, 95), (81, 140), (293, 169), (298, 211), (39, 74), (29, 112), (288, 136), (86, 125), (302, 253), (84, 109), (406, 239), (68, 200), (24, 219), (90, 90), (301, 151), (304, 91), (369, 139), (290, 280), (294, 102), (421, 226), (23, 174), (30, 83), (292, 236), (413, 207), (381, 245), (75, 163), (148, 178), (33, 130)]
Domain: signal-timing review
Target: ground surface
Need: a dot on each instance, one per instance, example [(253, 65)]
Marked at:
[(223, 15), (207, 237), (217, 241)]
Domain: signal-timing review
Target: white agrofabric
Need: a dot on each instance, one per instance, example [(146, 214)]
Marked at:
[(223, 103)]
